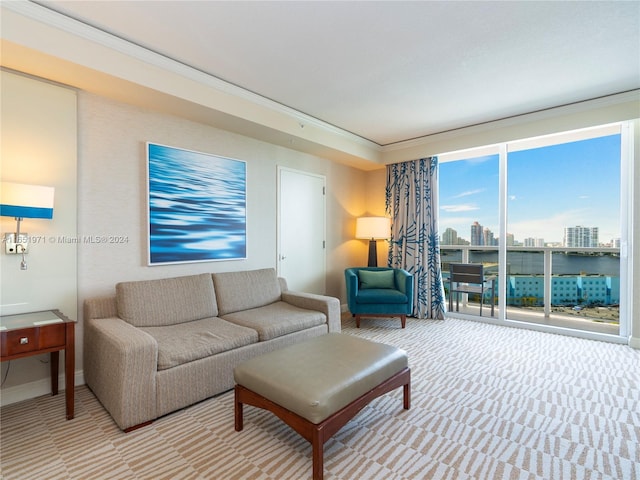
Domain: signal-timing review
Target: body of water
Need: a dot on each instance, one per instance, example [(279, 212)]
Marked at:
[(532, 263)]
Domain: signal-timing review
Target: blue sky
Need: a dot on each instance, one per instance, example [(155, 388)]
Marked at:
[(549, 188)]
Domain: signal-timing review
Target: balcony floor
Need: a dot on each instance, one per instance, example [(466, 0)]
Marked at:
[(555, 319)]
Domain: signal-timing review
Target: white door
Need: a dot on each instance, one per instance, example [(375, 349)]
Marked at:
[(301, 230)]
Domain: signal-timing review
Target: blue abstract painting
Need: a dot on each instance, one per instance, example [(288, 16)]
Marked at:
[(197, 206)]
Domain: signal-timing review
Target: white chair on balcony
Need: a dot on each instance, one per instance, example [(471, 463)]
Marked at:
[(469, 278)]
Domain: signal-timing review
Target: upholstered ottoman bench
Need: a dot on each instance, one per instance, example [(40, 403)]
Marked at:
[(317, 386)]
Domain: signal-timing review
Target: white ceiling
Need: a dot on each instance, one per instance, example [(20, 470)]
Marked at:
[(390, 71)]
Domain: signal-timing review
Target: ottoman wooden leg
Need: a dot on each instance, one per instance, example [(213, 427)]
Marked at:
[(317, 444), (238, 410), (406, 390)]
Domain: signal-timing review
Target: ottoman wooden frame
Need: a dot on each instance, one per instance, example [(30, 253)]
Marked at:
[(318, 433)]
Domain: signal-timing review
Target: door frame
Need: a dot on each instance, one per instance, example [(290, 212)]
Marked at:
[(280, 169)]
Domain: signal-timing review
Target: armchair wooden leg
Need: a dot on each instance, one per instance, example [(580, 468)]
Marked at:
[(357, 321), (403, 320)]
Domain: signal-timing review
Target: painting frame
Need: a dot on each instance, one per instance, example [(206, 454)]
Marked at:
[(196, 206)]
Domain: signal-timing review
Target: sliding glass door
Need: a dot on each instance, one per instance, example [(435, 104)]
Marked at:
[(563, 206), (546, 216), (469, 219)]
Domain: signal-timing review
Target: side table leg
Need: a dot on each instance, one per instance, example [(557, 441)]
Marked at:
[(70, 370), (54, 360)]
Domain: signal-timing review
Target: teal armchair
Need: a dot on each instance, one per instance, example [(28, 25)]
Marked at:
[(379, 292)]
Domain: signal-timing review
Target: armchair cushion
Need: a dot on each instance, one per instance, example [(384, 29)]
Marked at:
[(380, 295), (376, 279)]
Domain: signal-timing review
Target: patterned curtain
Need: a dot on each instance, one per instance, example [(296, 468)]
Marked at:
[(412, 202)]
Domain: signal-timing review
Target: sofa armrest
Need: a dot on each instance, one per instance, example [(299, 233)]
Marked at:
[(100, 307), (330, 306), (120, 365)]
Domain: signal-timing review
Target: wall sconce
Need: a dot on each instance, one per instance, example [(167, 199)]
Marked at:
[(372, 229), (23, 201)]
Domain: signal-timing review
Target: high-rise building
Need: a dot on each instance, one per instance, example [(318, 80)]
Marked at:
[(487, 237), (450, 237), (510, 240), (534, 242), (477, 237), (580, 236)]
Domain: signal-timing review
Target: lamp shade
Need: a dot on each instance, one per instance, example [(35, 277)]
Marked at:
[(26, 201), (376, 228)]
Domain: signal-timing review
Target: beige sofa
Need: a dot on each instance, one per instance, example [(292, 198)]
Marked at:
[(161, 345)]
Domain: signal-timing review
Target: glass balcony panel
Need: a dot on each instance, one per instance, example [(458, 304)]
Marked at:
[(584, 285), (585, 289), (524, 282)]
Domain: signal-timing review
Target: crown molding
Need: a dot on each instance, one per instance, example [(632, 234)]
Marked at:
[(577, 107), (51, 18)]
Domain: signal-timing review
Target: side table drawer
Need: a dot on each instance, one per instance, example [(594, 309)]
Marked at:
[(30, 339), (19, 341), (51, 336)]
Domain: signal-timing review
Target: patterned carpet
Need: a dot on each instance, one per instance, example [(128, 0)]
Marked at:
[(488, 402)]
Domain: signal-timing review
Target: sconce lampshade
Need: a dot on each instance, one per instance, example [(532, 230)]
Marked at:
[(26, 201), (376, 228)]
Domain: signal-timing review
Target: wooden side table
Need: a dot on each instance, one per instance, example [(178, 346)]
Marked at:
[(34, 333)]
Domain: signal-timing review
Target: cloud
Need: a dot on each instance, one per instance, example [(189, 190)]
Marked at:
[(462, 207), (550, 228), (470, 192)]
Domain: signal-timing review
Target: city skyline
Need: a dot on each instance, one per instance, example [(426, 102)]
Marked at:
[(549, 189), (577, 236)]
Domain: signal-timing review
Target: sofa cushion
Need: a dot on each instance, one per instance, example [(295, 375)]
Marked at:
[(381, 295), (376, 279), (166, 301), (244, 290), (189, 341), (277, 319)]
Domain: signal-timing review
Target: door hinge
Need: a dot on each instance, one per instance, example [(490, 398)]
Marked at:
[(324, 190), (324, 244)]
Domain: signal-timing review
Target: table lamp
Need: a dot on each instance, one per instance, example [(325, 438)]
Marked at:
[(372, 229)]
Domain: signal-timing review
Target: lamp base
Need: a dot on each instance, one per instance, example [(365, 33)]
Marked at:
[(373, 253)]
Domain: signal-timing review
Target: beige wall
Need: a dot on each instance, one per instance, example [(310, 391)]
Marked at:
[(111, 189), (38, 139)]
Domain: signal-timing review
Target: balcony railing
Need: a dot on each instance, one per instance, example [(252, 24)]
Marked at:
[(549, 282)]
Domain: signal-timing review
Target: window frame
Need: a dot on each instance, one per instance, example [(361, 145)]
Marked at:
[(626, 131)]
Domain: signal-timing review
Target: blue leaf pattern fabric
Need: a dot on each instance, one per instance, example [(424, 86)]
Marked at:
[(412, 203)]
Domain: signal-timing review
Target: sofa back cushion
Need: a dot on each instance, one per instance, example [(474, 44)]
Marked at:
[(237, 291), (166, 301)]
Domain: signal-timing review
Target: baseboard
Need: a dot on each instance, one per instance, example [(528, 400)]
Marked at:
[(634, 342), (344, 308), (30, 390)]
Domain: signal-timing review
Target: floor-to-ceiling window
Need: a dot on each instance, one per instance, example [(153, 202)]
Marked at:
[(546, 218)]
